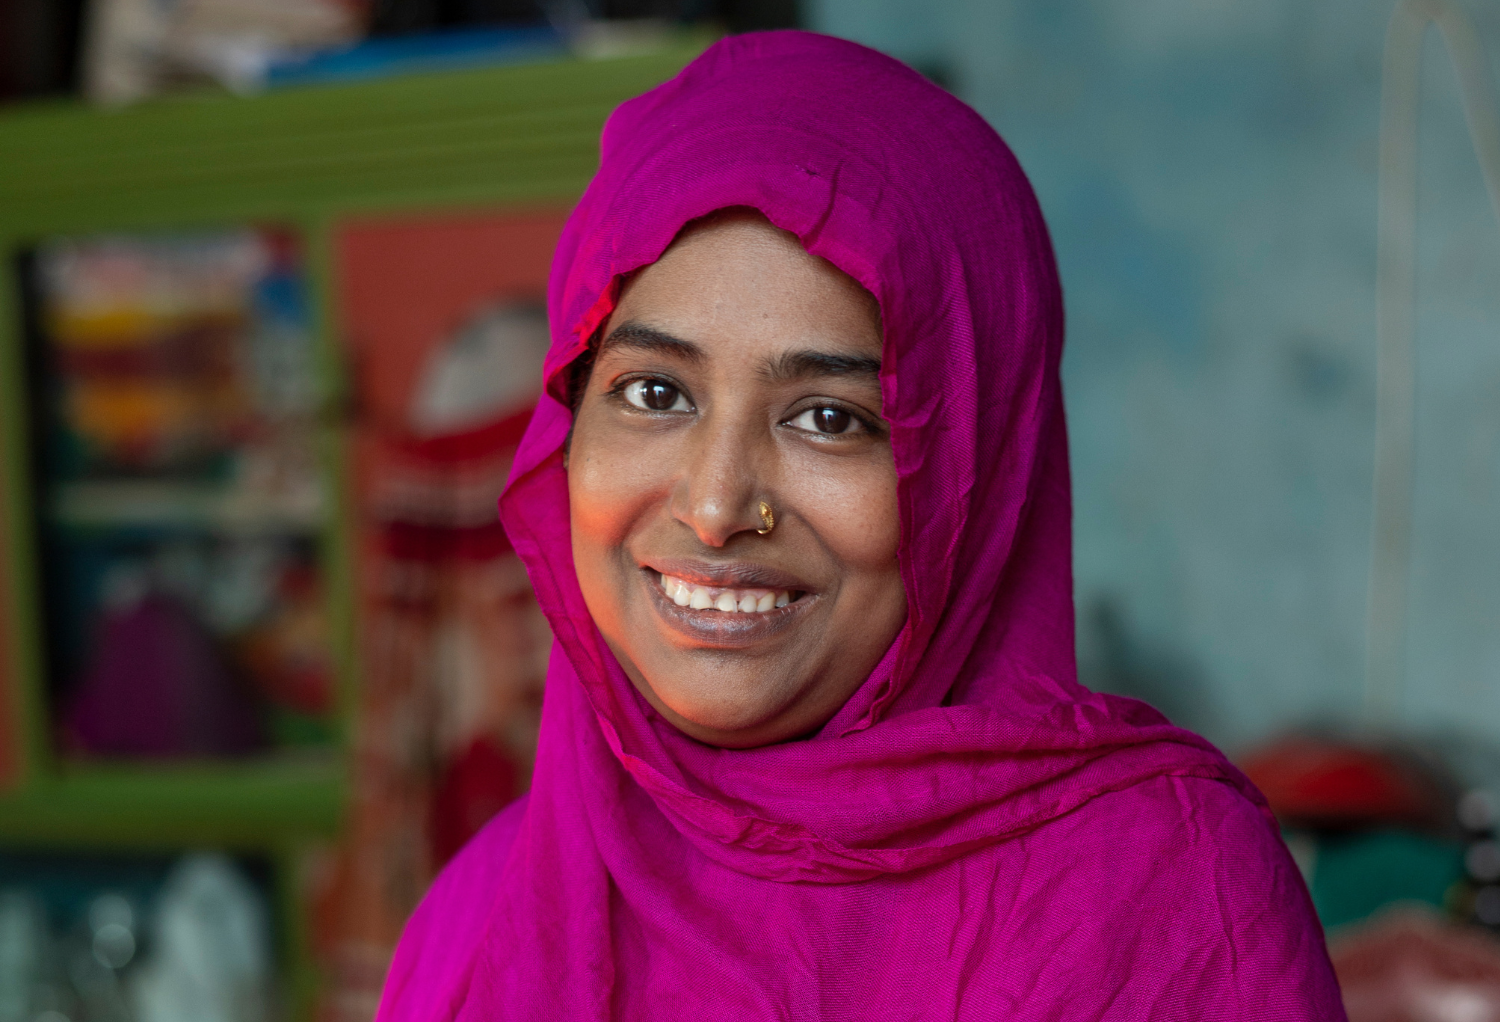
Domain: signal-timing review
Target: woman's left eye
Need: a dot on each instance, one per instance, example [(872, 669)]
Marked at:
[(656, 396), (827, 421)]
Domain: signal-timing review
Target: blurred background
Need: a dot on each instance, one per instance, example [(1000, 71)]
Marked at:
[(270, 328)]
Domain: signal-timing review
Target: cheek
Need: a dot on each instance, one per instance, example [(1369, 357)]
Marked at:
[(852, 508), (611, 488), (601, 502)]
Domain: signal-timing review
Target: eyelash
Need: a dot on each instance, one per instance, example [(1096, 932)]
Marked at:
[(620, 387)]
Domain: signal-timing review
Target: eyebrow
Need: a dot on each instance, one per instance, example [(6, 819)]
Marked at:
[(645, 338), (793, 365), (790, 365)]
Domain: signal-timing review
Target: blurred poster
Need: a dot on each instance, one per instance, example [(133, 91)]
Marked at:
[(446, 332)]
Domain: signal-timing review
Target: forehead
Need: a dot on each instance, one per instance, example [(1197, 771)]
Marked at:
[(737, 279)]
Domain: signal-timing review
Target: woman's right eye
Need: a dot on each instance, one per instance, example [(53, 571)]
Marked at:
[(656, 396)]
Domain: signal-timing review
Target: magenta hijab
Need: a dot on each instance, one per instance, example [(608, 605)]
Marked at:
[(974, 835)]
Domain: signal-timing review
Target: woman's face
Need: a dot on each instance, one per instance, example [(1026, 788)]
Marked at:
[(738, 369)]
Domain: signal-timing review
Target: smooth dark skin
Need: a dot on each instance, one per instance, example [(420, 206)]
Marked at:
[(751, 336)]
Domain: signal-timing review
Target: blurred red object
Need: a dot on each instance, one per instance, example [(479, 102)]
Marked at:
[(475, 785), (1410, 965), (1329, 784)]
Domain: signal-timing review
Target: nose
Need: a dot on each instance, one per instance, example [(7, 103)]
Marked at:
[(723, 480)]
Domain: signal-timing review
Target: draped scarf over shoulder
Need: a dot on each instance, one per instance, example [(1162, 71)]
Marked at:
[(650, 876)]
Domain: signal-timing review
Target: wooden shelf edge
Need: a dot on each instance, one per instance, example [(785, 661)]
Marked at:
[(262, 805)]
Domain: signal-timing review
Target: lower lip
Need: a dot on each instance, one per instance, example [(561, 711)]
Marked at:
[(724, 629)]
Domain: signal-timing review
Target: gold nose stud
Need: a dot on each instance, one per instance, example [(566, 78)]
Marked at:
[(767, 519)]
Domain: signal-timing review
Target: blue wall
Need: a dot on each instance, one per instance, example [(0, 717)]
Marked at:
[(1208, 169)]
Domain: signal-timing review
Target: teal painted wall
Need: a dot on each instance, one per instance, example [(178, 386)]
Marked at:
[(1208, 169)]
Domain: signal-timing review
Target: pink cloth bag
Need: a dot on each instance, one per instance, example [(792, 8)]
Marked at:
[(974, 835)]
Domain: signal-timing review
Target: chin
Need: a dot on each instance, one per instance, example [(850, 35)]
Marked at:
[(728, 723), (712, 715)]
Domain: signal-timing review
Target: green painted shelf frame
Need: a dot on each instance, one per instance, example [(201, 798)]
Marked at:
[(504, 137)]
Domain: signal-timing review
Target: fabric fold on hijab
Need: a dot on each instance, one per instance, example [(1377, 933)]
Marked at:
[(645, 865)]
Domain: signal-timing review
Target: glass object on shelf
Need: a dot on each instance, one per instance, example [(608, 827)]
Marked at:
[(139, 938), (179, 494)]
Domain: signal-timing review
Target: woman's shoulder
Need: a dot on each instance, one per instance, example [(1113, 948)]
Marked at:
[(1189, 885), (430, 970), (1176, 806), (1180, 832)]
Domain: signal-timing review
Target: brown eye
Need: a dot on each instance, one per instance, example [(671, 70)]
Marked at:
[(828, 421), (831, 420), (655, 396)]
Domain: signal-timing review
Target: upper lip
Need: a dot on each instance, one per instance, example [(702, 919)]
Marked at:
[(734, 575)]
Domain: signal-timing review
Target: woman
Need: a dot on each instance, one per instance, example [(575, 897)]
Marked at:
[(796, 504)]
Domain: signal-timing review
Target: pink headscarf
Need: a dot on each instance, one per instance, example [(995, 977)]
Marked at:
[(973, 834)]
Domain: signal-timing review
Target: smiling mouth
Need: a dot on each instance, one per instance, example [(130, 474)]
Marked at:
[(725, 600)]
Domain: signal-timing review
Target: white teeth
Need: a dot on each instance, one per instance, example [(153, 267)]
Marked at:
[(677, 590), (726, 601)]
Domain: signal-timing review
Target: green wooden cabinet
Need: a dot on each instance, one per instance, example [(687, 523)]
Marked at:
[(304, 159)]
